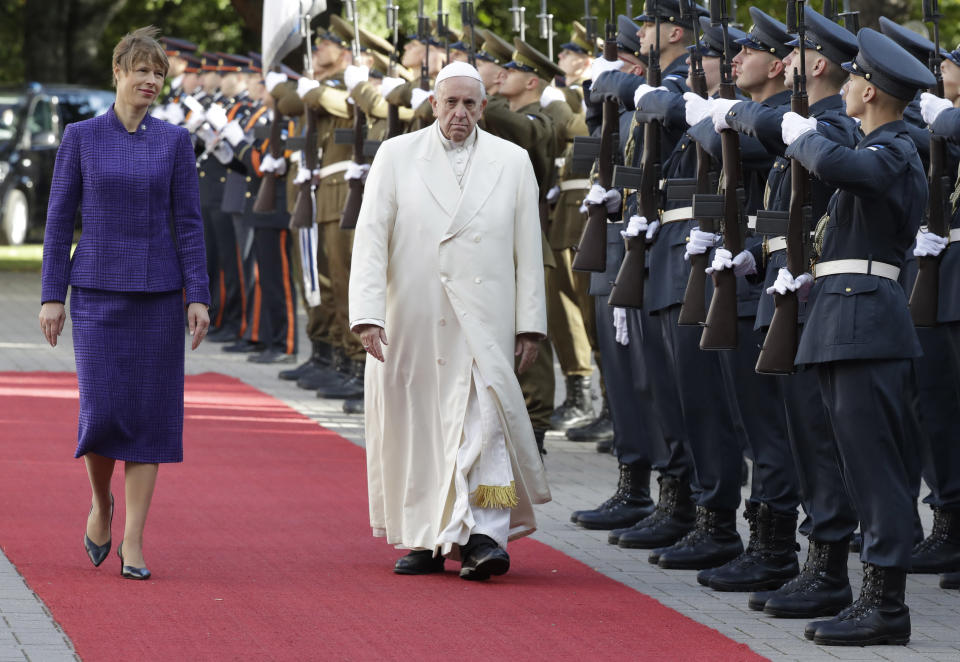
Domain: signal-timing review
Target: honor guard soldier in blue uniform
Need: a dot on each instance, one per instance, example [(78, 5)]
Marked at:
[(823, 588), (859, 335)]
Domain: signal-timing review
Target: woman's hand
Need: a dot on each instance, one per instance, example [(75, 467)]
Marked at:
[(52, 319), (199, 321)]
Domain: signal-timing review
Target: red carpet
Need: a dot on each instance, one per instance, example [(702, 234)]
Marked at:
[(260, 550)]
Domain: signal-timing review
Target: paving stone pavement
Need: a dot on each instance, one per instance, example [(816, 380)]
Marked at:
[(579, 478)]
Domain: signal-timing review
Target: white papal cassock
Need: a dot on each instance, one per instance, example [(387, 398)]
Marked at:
[(447, 257)]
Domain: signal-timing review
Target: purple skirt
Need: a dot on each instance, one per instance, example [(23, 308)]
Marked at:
[(129, 350)]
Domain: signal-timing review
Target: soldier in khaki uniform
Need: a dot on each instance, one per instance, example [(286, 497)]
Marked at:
[(516, 114)]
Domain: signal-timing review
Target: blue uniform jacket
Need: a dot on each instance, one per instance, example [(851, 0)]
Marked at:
[(139, 204), (874, 215)]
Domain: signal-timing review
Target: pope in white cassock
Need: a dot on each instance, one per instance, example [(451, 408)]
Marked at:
[(447, 263)]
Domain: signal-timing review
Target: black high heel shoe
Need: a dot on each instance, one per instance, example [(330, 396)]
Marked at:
[(98, 553), (129, 571)]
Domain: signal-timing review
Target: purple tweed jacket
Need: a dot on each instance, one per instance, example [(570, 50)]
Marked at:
[(133, 190)]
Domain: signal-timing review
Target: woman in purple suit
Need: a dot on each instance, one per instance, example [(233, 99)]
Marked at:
[(140, 258)]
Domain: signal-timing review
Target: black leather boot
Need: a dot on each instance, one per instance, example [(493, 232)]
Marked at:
[(673, 518), (630, 504), (879, 616), (577, 407), (713, 541), (940, 551), (599, 429), (821, 589), (539, 435), (350, 388), (336, 372), (774, 560), (321, 356), (751, 513), (950, 580)]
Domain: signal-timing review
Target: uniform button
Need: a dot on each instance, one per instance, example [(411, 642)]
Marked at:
[(248, 194), (223, 179), (464, 313), (249, 179), (442, 322), (477, 280), (686, 238), (143, 127), (441, 362), (848, 290), (203, 174), (476, 239)]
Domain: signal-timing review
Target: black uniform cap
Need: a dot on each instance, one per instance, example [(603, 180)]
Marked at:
[(177, 47), (767, 34), (711, 39), (669, 11), (627, 39), (830, 39), (886, 64), (916, 44)]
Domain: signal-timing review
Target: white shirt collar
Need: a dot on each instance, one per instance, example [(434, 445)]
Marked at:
[(449, 145)]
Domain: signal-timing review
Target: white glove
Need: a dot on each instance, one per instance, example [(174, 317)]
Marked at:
[(620, 326), (931, 106), (194, 121), (929, 244), (642, 90), (223, 152), (793, 126), (276, 166), (700, 242), (303, 176), (305, 84), (274, 78), (549, 95), (743, 264), (357, 171), (553, 194), (698, 108), (159, 112), (217, 116), (635, 226), (206, 134), (355, 74), (193, 105), (233, 133), (718, 112), (602, 65), (174, 114), (418, 96), (787, 283), (599, 196), (389, 84)]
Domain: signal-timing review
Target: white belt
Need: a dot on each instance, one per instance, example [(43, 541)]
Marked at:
[(834, 267), (334, 168), (678, 214), (575, 184), (776, 244), (954, 235)]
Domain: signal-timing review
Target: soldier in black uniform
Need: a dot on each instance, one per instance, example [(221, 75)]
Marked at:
[(859, 335)]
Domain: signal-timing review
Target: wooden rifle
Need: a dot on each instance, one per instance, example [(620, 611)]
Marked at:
[(546, 27), (305, 208), (592, 250), (780, 345), (266, 201), (468, 19), (926, 289), (720, 329), (393, 112), (351, 207), (627, 291), (693, 312)]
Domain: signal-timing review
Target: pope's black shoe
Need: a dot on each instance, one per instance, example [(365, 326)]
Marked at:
[(599, 429), (481, 558), (750, 514), (713, 541), (940, 551), (879, 615), (577, 407), (419, 562), (630, 504), (821, 589), (673, 518), (773, 560), (950, 580)]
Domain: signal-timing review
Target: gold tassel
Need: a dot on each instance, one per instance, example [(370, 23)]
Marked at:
[(490, 496)]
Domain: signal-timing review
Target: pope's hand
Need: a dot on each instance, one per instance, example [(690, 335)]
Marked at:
[(199, 320), (931, 106), (372, 337), (527, 348), (52, 319)]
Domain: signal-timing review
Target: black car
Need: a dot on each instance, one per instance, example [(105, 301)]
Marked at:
[(32, 119)]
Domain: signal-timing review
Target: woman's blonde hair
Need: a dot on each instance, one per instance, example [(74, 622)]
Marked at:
[(138, 46)]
